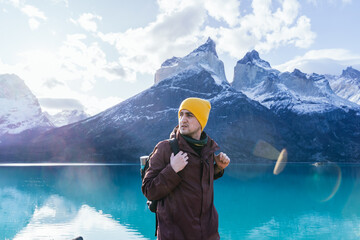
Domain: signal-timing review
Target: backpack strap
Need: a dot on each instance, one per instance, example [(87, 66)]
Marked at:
[(174, 145)]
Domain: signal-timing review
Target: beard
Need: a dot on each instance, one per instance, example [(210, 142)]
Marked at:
[(190, 131)]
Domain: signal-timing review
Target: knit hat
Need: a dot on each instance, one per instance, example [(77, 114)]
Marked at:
[(199, 107)]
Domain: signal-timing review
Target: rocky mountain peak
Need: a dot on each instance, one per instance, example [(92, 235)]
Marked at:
[(202, 58), (298, 73), (254, 58), (209, 46), (13, 87), (350, 72), (19, 108), (170, 62)]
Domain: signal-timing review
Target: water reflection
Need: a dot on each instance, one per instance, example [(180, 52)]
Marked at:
[(73, 201), (105, 202), (304, 202), (15, 208), (308, 226), (59, 219)]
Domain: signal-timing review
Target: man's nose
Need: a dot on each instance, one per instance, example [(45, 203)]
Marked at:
[(183, 118)]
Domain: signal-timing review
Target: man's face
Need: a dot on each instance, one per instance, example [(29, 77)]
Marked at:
[(188, 124)]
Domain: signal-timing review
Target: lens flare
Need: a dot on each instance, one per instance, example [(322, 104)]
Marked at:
[(325, 181), (265, 150), (336, 186), (281, 162)]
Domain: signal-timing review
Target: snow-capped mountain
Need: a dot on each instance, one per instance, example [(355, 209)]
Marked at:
[(19, 108), (296, 91), (328, 123), (133, 127), (272, 113), (347, 85), (202, 58), (66, 117), (250, 71)]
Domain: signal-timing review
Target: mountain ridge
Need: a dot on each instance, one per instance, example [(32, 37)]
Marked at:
[(238, 121), (19, 108)]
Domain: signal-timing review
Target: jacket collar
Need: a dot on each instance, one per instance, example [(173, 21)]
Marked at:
[(208, 149)]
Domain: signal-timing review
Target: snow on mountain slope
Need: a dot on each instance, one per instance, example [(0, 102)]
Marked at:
[(133, 127), (296, 91), (347, 85), (19, 108), (202, 58), (66, 117)]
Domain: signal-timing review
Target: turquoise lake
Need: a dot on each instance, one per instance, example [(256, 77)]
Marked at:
[(105, 202)]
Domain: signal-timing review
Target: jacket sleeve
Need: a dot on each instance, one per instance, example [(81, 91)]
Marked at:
[(217, 172), (160, 178)]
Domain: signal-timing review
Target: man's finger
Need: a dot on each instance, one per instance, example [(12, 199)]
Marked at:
[(225, 160)]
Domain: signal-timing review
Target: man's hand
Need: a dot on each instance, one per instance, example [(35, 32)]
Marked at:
[(222, 160), (179, 161)]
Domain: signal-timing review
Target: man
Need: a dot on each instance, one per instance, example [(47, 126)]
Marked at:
[(183, 183)]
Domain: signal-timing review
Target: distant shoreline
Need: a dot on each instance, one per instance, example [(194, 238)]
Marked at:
[(54, 164), (61, 164)]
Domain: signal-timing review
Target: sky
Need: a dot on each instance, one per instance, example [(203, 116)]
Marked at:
[(91, 55)]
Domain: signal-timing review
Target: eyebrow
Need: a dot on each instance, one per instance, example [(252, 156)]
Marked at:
[(187, 113)]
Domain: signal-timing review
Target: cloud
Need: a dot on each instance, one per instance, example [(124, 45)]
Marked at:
[(333, 2), (179, 27), (95, 105), (264, 29), (15, 3), (66, 2), (51, 83), (89, 63), (90, 104), (168, 7), (323, 61), (182, 25), (61, 103), (224, 10), (34, 14), (74, 70), (143, 49), (88, 21), (33, 23)]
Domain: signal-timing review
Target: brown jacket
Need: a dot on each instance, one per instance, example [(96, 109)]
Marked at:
[(186, 208)]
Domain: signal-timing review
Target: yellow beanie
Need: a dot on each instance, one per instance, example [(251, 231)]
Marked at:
[(199, 107)]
